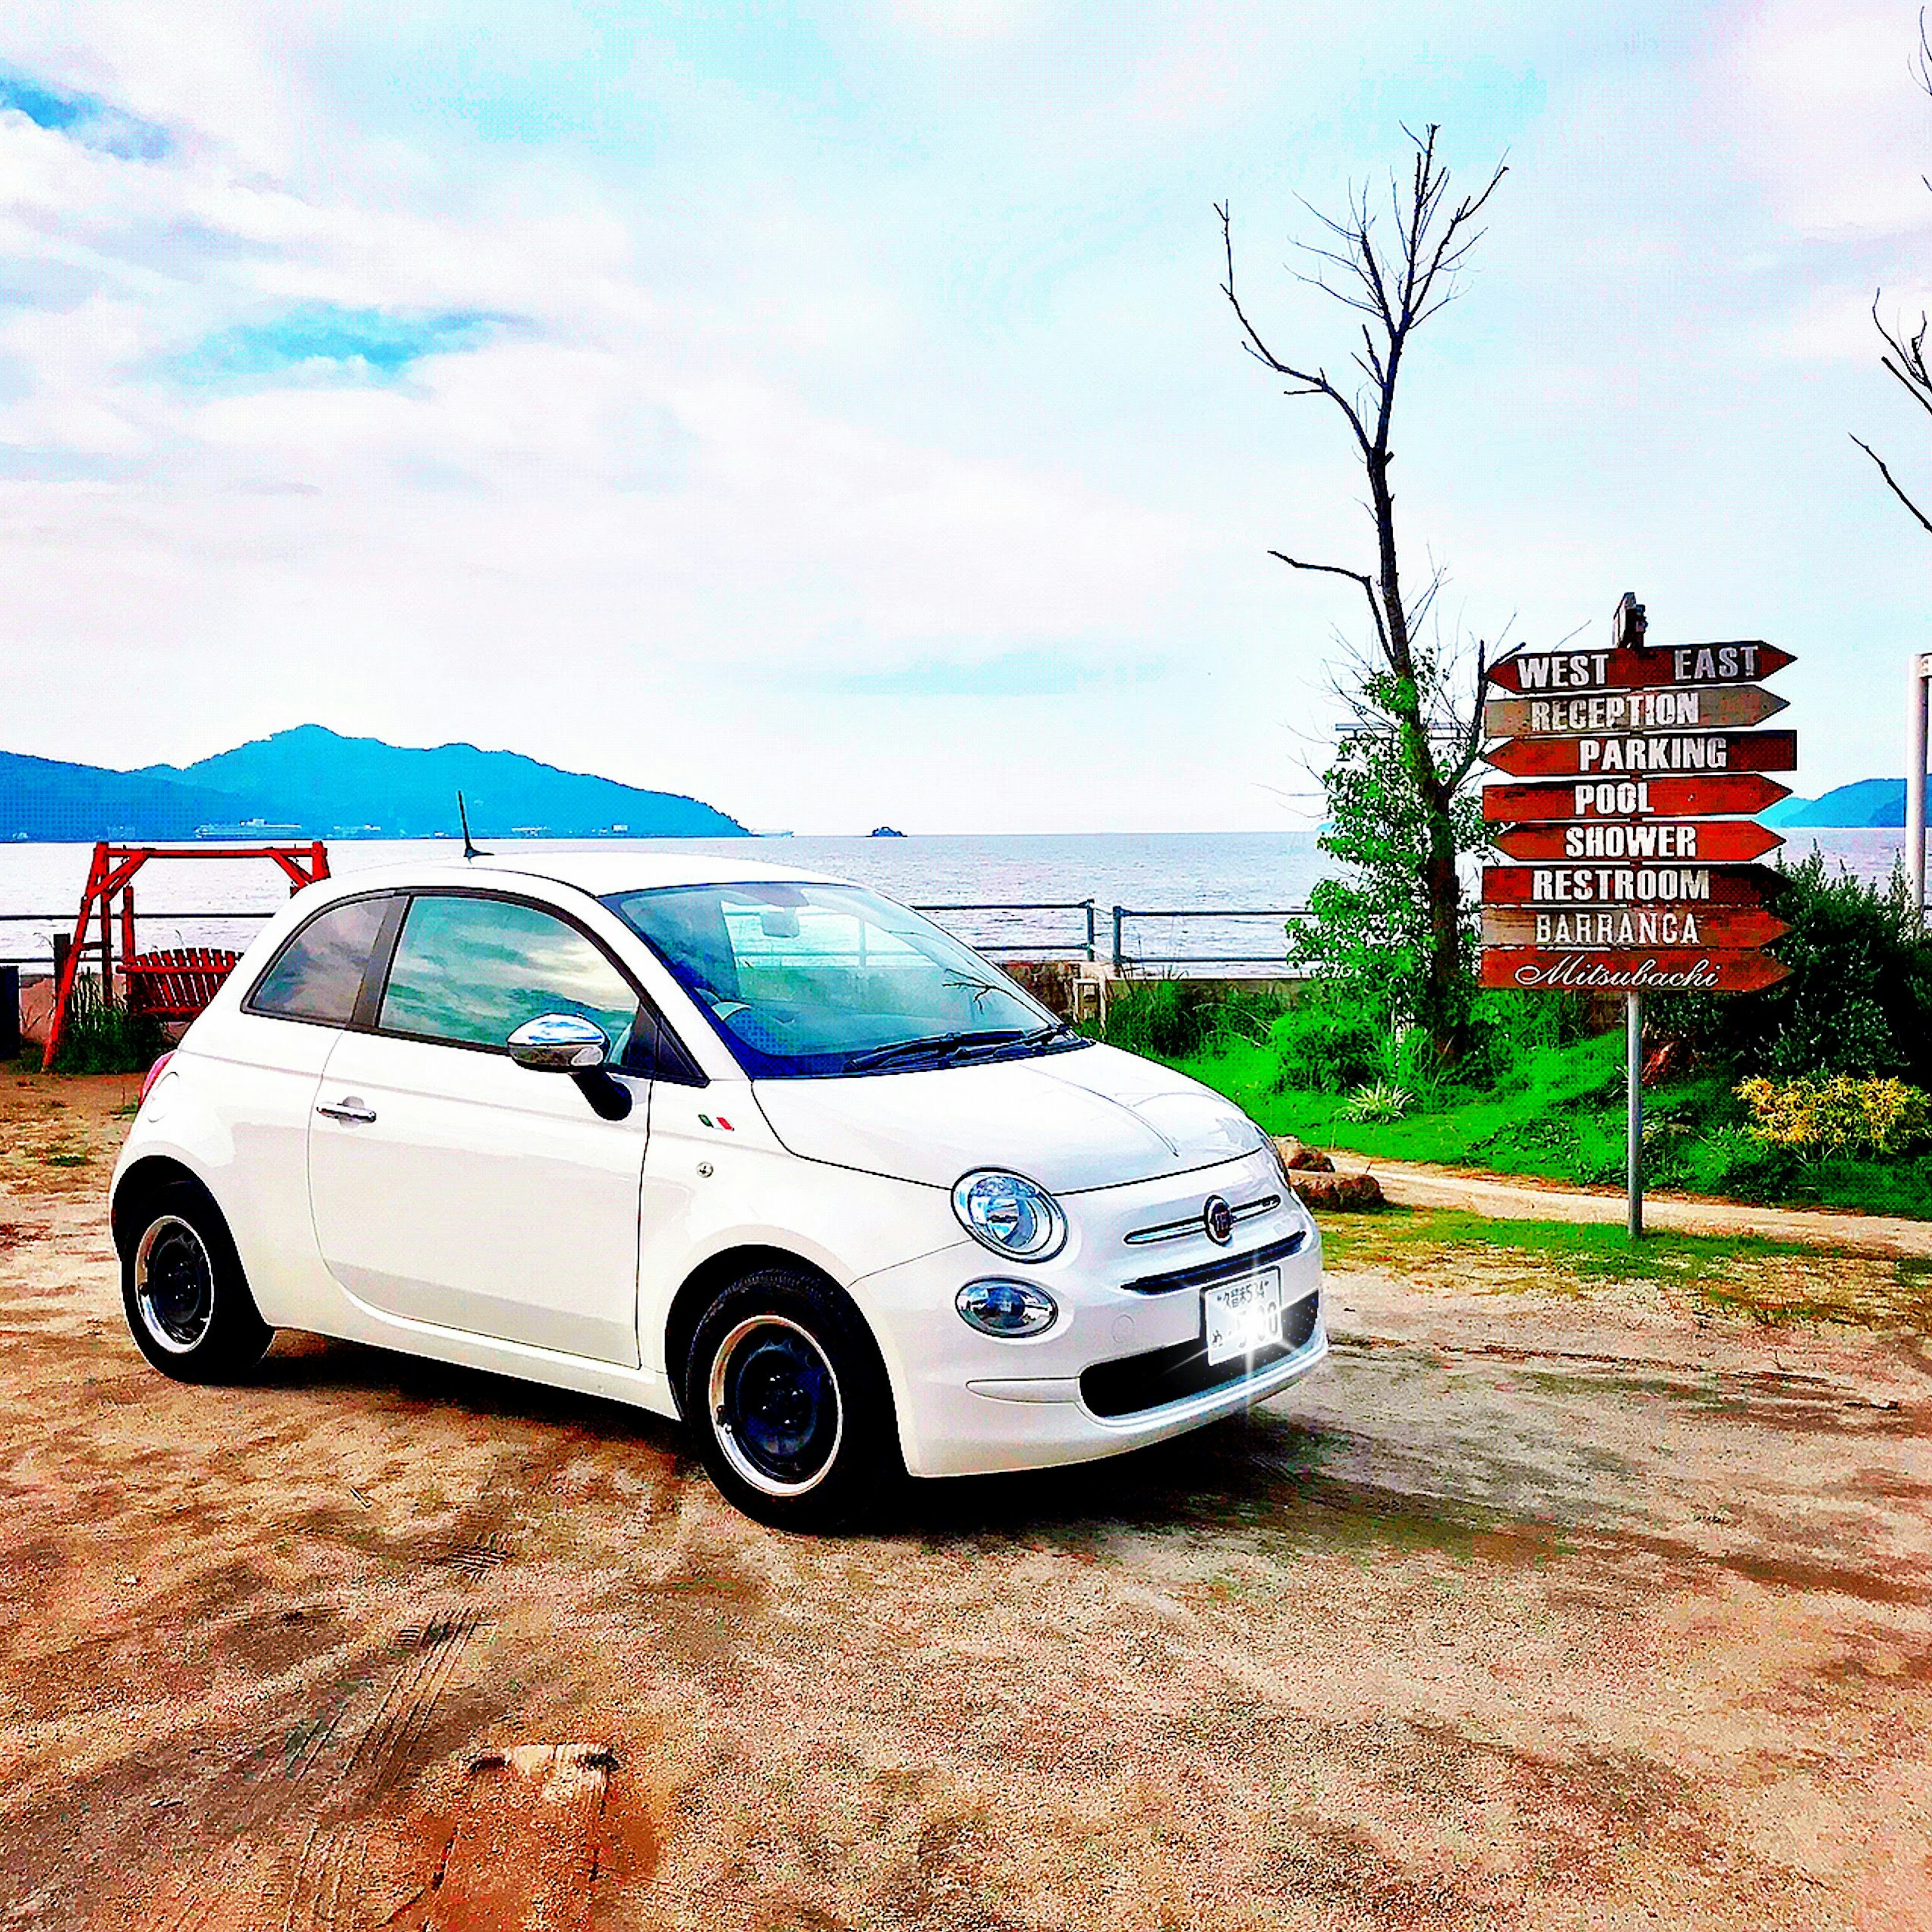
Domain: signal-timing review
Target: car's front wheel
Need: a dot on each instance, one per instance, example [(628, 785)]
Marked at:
[(187, 1299), (785, 1391)]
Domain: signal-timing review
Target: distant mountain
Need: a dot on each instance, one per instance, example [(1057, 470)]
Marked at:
[(1870, 801), (47, 798), (315, 783)]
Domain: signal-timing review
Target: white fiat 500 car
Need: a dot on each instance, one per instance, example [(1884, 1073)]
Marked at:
[(757, 1149)]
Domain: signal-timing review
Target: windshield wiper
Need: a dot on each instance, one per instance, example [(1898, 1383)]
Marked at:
[(1028, 1038), (940, 1045)]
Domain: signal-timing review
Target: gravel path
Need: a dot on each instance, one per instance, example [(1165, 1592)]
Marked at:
[(1535, 1610), (1524, 1197)]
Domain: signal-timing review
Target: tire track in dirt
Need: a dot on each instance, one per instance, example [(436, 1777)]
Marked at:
[(353, 1828), (345, 1767)]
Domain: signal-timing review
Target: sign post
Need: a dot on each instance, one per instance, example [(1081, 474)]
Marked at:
[(1634, 1111), (1628, 847)]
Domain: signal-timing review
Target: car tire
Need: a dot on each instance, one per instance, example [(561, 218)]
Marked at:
[(785, 1391), (183, 1290)]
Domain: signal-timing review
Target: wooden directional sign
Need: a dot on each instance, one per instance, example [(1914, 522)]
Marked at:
[(1627, 885), (1723, 928), (1648, 752), (1628, 877), (1723, 708), (1661, 969), (1727, 794), (1560, 673), (1716, 842)]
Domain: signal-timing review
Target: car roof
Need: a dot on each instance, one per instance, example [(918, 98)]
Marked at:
[(598, 874)]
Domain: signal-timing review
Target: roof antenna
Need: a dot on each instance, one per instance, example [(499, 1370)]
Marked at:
[(470, 851)]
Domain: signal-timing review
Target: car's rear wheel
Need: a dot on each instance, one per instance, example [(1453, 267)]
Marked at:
[(785, 1391), (186, 1300)]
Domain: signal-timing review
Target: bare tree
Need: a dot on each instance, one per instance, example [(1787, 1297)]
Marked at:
[(1904, 354), (1396, 282)]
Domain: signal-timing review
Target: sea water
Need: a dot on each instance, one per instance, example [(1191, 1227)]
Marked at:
[(1200, 873)]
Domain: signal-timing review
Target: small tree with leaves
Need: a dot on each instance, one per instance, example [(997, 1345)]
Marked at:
[(1373, 928), (1396, 790)]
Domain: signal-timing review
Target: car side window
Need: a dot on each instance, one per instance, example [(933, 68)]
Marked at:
[(469, 971), (318, 975)]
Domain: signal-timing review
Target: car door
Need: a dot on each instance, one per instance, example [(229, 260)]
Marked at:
[(264, 1054), (452, 1186)]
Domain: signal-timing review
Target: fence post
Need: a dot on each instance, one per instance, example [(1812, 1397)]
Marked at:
[(63, 945), (1089, 905), (1119, 953), (9, 1012)]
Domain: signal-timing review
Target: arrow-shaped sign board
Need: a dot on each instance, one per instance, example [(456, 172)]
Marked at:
[(1627, 885), (1727, 794), (1620, 929), (1666, 969), (1723, 708), (1655, 751), (1563, 673), (1716, 842)]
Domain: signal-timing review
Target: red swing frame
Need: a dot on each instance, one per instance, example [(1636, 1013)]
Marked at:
[(172, 985)]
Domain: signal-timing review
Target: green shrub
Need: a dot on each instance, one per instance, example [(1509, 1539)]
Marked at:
[(1829, 1116), (101, 1038), (1734, 1161), (1504, 1026), (1328, 1042), (1175, 1019), (1859, 997)]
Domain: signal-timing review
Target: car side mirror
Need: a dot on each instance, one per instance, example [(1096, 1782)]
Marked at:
[(560, 1043)]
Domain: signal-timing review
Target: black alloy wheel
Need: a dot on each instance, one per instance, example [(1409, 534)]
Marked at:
[(787, 1394), (183, 1289)]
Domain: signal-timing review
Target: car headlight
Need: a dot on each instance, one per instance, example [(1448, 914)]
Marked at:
[(1010, 1214), (1007, 1308)]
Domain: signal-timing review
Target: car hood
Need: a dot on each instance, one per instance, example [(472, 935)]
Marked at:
[(1094, 1117)]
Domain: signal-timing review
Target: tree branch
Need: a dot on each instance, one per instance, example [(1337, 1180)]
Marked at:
[(1472, 741), (1313, 382), (1891, 483), (1354, 576)]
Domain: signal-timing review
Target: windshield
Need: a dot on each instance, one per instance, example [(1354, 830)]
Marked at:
[(804, 980)]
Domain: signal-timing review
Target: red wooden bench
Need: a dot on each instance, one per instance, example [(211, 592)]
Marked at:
[(176, 985)]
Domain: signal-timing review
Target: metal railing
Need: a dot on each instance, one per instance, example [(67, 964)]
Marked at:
[(60, 930), (1084, 947), (1081, 942), (1122, 914), (1122, 955)]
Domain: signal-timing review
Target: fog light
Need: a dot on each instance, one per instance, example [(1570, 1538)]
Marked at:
[(1007, 1309)]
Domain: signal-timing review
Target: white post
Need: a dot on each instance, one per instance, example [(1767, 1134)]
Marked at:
[(1914, 779)]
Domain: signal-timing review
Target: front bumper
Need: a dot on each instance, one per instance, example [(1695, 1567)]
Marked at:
[(1124, 1364)]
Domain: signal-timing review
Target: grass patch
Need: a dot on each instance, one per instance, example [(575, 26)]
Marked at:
[(1744, 1276), (1595, 1250), (64, 1158), (1558, 1112)]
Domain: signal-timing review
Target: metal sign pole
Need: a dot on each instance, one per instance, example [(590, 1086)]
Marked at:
[(1633, 1115)]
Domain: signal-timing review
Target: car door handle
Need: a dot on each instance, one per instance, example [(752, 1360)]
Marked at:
[(348, 1109)]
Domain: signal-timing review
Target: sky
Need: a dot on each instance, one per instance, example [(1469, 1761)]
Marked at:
[(832, 412)]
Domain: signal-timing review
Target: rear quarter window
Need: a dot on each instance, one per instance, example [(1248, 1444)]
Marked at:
[(318, 975)]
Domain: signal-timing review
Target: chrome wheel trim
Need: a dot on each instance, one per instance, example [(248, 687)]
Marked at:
[(718, 1386), (174, 1285)]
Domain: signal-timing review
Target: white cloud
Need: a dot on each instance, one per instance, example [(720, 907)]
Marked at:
[(924, 369)]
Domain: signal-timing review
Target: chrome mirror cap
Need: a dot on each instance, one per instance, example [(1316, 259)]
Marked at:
[(560, 1043)]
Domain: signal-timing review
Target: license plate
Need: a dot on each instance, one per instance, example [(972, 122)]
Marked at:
[(1242, 1317)]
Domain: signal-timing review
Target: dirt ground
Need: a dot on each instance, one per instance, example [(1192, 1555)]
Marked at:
[(1573, 1609)]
